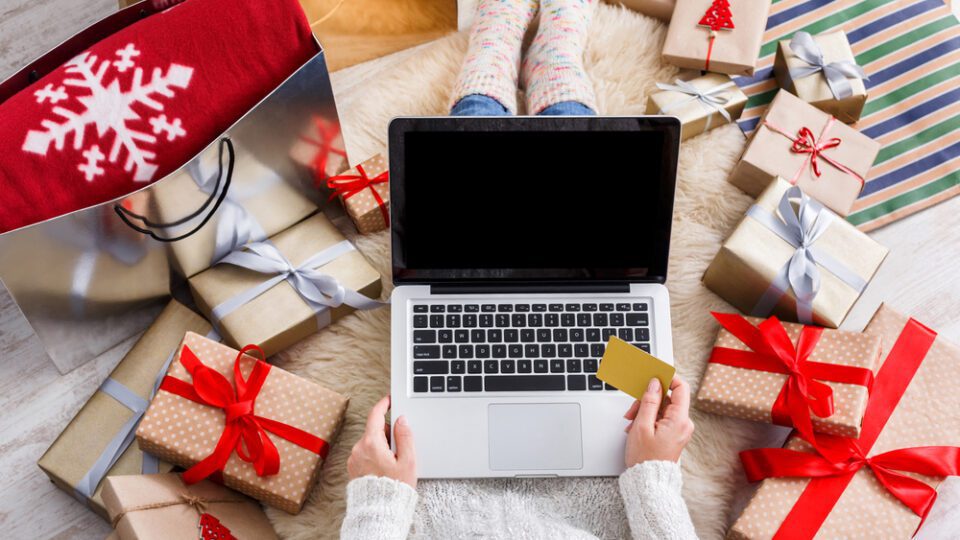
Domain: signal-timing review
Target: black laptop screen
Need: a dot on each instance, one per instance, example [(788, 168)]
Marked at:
[(534, 205)]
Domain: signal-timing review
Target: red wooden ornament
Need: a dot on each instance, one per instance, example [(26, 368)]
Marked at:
[(211, 529), (718, 16)]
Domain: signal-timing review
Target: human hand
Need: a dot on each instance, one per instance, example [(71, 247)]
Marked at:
[(372, 454), (653, 435)]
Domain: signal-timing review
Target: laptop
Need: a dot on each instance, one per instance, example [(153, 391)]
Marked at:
[(519, 246)]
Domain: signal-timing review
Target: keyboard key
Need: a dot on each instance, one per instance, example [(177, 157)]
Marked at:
[(573, 366), (596, 350), (556, 307), (568, 319), (453, 383), (564, 350), (449, 351), (581, 349), (576, 334), (491, 366), (426, 351), (524, 366), (421, 384), (606, 307), (475, 366), (552, 319), (465, 351), (637, 319), (590, 366), (543, 335), (478, 336), (574, 382), (420, 321), (623, 307), (486, 320), (515, 351), (572, 307), (616, 319), (488, 308), (445, 336), (473, 384), (502, 320), (453, 321), (436, 321), (519, 320), (508, 366), (436, 383), (583, 319), (483, 351), (640, 307), (511, 335), (608, 386), (594, 383), (642, 334), (540, 308), (499, 351), (503, 308), (461, 336), (593, 334), (548, 350), (454, 308), (527, 335), (606, 333), (458, 367), (600, 319), (535, 320), (625, 334), (645, 347), (495, 336), (556, 366), (522, 307), (469, 321), (420, 308), (437, 308), (531, 351), (540, 366), (522, 383), (589, 307), (424, 336), (472, 308), (560, 335)]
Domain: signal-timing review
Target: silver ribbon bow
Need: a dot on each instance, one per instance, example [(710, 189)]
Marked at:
[(836, 73), (801, 228), (87, 485), (320, 291), (708, 98)]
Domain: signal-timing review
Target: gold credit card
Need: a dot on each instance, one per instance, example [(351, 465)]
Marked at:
[(630, 369)]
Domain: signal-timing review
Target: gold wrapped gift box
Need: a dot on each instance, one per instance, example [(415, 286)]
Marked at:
[(695, 116), (734, 51)]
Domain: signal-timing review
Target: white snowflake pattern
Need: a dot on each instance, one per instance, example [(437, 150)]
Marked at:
[(109, 108)]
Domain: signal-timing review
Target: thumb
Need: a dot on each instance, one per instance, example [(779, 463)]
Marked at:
[(403, 436)]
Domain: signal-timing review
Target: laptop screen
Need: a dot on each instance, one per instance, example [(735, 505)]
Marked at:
[(534, 205)]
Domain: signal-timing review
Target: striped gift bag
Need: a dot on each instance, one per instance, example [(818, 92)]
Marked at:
[(910, 49)]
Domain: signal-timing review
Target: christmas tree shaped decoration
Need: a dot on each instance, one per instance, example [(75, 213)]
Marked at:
[(717, 17), (212, 529)]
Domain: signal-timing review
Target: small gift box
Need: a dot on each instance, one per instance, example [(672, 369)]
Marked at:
[(278, 292), (790, 374), (259, 203), (97, 442), (716, 35), (264, 430), (829, 160), (365, 193), (321, 149), (658, 9), (793, 258), (162, 507), (701, 104), (883, 483), (821, 70)]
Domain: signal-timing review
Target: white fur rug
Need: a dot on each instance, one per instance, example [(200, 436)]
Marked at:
[(353, 356)]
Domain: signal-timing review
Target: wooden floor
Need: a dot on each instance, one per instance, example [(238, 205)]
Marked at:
[(919, 278)]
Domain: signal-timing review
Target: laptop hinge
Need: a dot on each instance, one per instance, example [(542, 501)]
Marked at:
[(528, 288)]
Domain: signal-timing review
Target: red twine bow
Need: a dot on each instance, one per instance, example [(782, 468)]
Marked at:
[(348, 185), (830, 477), (244, 431), (806, 143), (326, 133), (773, 351)]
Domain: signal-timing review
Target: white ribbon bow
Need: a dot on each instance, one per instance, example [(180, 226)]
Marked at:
[(708, 98), (836, 73)]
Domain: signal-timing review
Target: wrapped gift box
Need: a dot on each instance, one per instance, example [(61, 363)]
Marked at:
[(753, 262), (734, 51), (845, 99), (279, 315), (751, 393), (365, 193), (788, 125), (698, 102), (927, 414), (283, 398), (161, 507), (94, 437), (320, 148), (658, 9)]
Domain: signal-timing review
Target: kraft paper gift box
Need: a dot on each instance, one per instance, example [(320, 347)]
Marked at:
[(247, 309), (729, 388), (259, 203), (780, 147), (95, 436), (923, 371), (698, 102), (734, 51), (832, 82), (751, 270), (365, 193), (186, 432), (162, 507), (658, 9), (320, 148)]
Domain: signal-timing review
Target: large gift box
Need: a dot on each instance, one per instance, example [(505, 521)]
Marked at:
[(98, 442), (723, 36), (882, 484), (828, 159), (264, 430), (701, 104), (821, 70), (659, 9), (790, 374), (793, 258), (278, 292), (365, 193), (163, 507)]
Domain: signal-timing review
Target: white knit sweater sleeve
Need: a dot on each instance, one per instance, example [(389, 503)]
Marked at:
[(378, 507), (655, 509)]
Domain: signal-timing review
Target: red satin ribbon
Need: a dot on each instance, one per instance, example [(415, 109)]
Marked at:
[(830, 477), (244, 431), (773, 351), (348, 185), (327, 132), (805, 143)]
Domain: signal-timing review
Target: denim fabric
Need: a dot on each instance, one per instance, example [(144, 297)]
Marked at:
[(568, 108), (478, 105)]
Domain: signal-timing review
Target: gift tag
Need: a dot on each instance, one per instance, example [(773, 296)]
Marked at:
[(211, 529)]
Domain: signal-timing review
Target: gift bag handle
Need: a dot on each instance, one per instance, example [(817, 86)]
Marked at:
[(215, 198)]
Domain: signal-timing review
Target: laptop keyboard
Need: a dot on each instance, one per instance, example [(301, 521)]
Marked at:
[(519, 347)]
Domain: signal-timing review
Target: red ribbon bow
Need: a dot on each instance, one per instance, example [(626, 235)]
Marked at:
[(244, 431), (348, 185), (773, 351), (326, 132), (805, 143), (830, 476)]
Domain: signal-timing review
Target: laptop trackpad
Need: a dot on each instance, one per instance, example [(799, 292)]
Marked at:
[(535, 436)]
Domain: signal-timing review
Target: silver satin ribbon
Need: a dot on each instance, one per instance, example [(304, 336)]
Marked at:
[(320, 291), (801, 229), (836, 73), (708, 98), (87, 485)]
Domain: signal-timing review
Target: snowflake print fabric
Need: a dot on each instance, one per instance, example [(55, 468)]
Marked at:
[(139, 104)]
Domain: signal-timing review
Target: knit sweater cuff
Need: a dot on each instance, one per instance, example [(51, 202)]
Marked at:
[(378, 507), (651, 477), (651, 496)]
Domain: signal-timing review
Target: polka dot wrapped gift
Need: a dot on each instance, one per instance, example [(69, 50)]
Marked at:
[(365, 193), (265, 431)]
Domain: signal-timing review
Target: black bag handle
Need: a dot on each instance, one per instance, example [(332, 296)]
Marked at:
[(127, 216)]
